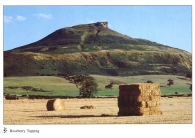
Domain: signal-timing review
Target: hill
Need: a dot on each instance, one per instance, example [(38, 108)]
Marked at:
[(94, 49)]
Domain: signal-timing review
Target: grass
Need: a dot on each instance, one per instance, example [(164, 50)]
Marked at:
[(182, 90), (102, 62), (58, 86)]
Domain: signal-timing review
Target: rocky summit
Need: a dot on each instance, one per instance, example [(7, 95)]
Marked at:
[(94, 49)]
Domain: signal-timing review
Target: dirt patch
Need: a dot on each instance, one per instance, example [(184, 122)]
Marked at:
[(176, 110)]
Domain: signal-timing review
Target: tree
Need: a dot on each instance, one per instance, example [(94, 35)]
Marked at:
[(109, 86), (191, 87), (189, 75), (149, 81), (88, 88), (170, 82), (87, 84)]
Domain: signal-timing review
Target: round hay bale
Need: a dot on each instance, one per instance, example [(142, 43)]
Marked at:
[(55, 105)]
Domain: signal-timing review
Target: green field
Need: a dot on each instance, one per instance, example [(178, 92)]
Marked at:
[(58, 86)]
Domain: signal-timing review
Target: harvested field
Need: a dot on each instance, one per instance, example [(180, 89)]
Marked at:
[(176, 110)]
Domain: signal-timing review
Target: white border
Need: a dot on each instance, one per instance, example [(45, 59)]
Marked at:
[(134, 130)]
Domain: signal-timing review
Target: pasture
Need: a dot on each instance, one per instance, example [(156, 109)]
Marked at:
[(59, 86)]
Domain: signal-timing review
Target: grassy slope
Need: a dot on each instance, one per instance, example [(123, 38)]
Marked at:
[(60, 86), (91, 49), (105, 62)]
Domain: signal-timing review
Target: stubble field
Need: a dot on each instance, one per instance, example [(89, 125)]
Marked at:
[(176, 110)]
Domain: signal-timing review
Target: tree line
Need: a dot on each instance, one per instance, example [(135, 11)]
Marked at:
[(88, 87)]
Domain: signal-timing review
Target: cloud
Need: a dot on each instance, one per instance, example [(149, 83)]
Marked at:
[(45, 16), (20, 18), (8, 19)]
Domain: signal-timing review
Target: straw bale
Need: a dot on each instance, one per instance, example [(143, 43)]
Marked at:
[(155, 92), (55, 105), (142, 98), (143, 109), (156, 108), (154, 98), (87, 107), (155, 112), (145, 113), (139, 89), (128, 93), (158, 103), (134, 104), (157, 98), (138, 111), (128, 87), (133, 111), (152, 113), (137, 104), (151, 104), (139, 99)]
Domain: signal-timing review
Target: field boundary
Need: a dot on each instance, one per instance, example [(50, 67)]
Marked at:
[(17, 97)]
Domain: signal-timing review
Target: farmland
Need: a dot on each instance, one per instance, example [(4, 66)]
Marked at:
[(176, 110), (59, 86)]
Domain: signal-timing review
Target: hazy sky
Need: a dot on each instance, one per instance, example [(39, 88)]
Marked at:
[(168, 25)]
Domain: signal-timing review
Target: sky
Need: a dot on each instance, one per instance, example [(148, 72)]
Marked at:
[(168, 25)]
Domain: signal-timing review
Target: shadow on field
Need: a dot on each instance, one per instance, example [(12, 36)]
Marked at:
[(76, 116)]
